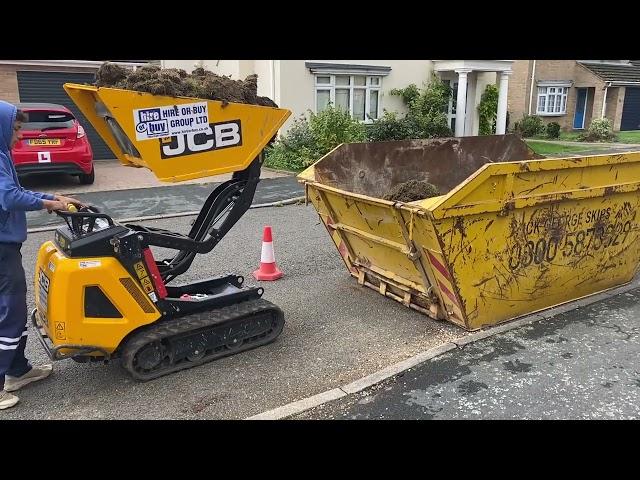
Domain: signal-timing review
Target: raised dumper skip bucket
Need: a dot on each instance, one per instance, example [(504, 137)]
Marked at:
[(510, 234)]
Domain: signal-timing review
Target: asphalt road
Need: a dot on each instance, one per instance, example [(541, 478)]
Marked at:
[(581, 364), (336, 332)]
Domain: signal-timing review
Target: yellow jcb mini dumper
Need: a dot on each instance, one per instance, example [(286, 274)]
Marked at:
[(101, 294)]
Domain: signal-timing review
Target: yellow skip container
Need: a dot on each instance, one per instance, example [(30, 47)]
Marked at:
[(510, 235)]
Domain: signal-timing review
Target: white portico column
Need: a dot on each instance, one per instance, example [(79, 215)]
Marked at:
[(501, 119), (471, 120), (461, 103)]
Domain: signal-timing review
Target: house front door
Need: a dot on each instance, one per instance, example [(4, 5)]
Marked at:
[(581, 108)]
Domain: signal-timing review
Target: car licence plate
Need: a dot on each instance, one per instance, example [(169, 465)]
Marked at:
[(44, 141)]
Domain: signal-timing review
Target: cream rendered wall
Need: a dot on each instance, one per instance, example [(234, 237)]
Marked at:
[(291, 85), (297, 87), (220, 67)]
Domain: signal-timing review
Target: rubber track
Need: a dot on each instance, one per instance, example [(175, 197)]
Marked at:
[(219, 318)]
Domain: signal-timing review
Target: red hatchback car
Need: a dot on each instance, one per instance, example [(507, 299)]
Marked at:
[(53, 141)]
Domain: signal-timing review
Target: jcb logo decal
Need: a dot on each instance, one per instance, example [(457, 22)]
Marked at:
[(217, 136)]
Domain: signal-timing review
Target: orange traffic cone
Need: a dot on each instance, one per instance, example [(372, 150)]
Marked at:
[(268, 269)]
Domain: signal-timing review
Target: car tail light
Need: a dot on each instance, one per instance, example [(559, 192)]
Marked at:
[(80, 131)]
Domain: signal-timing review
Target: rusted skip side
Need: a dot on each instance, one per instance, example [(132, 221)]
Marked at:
[(508, 239)]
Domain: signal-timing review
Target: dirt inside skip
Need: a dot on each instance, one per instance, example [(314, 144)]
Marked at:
[(175, 82), (412, 191)]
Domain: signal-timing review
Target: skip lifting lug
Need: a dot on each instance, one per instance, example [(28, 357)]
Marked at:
[(413, 254)]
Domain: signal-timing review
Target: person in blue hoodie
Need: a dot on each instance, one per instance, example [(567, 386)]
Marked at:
[(15, 369)]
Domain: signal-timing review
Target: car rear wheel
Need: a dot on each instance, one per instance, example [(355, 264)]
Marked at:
[(87, 178)]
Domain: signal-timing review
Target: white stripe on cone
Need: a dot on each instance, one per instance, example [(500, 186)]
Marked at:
[(267, 255)]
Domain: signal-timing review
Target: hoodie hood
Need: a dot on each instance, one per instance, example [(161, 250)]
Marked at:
[(7, 117)]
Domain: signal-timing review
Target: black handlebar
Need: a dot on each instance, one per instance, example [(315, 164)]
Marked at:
[(85, 216), (86, 212)]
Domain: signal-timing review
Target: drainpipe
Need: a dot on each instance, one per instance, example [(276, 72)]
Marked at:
[(533, 75), (604, 100), (272, 71)]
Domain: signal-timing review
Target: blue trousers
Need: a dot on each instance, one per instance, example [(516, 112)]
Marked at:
[(13, 313)]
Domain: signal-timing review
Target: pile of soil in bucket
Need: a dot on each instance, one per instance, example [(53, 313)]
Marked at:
[(411, 191), (174, 82)]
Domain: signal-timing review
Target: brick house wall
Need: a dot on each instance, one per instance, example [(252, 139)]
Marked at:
[(615, 103), (518, 96), (567, 70), (9, 84), (9, 78)]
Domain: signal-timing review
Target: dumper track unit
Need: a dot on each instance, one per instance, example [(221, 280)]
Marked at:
[(101, 293)]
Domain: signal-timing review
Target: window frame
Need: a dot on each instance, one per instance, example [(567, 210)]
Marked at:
[(368, 87), (560, 95)]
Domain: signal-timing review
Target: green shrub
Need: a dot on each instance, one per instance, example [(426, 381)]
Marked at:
[(600, 130), (333, 126), (309, 139), (408, 94), (295, 150), (488, 111), (553, 130), (426, 114), (389, 127), (530, 126)]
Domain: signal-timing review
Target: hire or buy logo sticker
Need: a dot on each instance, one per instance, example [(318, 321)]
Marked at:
[(171, 120)]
